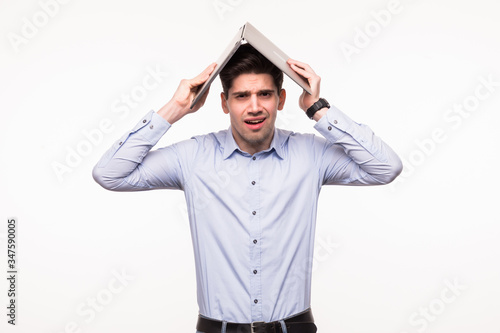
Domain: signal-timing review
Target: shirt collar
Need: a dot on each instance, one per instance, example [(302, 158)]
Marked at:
[(279, 140)]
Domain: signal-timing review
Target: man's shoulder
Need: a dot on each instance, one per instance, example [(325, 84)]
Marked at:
[(213, 138), (212, 135), (292, 137), (290, 143)]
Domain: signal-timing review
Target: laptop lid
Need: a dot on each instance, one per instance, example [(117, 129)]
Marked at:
[(279, 58), (248, 33)]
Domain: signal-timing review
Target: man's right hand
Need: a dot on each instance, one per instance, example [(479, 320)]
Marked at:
[(180, 103)]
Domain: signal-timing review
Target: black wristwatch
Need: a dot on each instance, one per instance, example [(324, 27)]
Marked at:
[(322, 103)]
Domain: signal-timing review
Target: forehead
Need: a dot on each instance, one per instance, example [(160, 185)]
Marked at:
[(253, 82)]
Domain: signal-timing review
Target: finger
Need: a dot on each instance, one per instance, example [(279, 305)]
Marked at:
[(301, 65), (301, 71), (306, 72), (203, 76), (210, 68)]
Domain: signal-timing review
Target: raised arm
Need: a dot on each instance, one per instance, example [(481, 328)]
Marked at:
[(129, 165), (180, 103), (364, 159)]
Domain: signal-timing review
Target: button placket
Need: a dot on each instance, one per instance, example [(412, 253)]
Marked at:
[(255, 234)]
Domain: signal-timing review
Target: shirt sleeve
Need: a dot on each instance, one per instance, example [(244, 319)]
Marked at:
[(129, 165), (354, 155)]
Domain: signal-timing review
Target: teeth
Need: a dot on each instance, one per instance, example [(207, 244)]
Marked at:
[(254, 121)]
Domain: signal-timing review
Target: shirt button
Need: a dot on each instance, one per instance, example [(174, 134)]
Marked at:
[(120, 143), (255, 241), (335, 121), (253, 182), (151, 126), (255, 271), (144, 121), (329, 128), (256, 301), (254, 158), (254, 212)]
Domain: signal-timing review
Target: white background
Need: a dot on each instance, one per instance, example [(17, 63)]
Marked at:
[(385, 255)]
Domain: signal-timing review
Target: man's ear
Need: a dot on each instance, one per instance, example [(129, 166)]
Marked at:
[(223, 102), (282, 97)]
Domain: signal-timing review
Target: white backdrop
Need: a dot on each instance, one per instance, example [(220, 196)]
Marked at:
[(419, 255)]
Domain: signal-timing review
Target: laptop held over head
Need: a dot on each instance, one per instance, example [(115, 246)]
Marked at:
[(248, 34)]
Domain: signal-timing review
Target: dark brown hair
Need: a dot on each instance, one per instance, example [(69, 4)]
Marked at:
[(248, 60)]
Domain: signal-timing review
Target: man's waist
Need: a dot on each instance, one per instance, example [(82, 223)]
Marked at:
[(302, 322)]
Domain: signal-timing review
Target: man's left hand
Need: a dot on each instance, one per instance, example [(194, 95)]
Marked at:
[(306, 100)]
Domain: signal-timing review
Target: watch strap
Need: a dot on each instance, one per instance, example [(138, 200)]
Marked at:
[(321, 103)]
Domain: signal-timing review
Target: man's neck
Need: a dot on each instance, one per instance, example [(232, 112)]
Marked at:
[(253, 147)]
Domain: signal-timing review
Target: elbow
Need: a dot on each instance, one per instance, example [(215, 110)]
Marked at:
[(102, 178), (395, 169), (98, 175), (387, 173)]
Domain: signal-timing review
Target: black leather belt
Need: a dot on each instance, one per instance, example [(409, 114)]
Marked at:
[(300, 323)]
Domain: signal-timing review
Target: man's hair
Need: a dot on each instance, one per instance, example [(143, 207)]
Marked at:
[(248, 60)]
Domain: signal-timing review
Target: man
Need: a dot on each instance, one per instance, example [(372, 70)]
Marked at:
[(251, 190)]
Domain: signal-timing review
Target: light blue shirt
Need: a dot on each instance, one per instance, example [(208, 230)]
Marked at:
[(252, 217)]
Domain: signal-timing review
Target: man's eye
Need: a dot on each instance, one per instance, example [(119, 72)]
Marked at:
[(265, 94)]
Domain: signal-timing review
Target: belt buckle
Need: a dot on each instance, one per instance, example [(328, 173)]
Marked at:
[(254, 326)]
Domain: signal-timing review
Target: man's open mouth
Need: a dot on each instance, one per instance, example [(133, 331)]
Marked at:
[(253, 122)]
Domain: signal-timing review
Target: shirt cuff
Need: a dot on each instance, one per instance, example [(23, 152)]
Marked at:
[(334, 125), (151, 127)]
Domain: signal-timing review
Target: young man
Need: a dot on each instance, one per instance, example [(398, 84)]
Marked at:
[(251, 190)]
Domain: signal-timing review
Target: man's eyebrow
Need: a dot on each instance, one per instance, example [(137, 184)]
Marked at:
[(240, 93), (268, 91), (246, 92)]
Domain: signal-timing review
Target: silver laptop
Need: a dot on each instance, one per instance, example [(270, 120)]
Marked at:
[(249, 34)]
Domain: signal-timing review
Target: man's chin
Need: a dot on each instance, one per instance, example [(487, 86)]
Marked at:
[(260, 137)]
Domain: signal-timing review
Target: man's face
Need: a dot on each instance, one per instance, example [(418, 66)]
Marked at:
[(252, 104)]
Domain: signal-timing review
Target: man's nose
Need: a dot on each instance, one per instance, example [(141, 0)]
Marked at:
[(254, 104)]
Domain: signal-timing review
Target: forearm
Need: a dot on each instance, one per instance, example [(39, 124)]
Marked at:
[(369, 152), (172, 112), (122, 160)]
